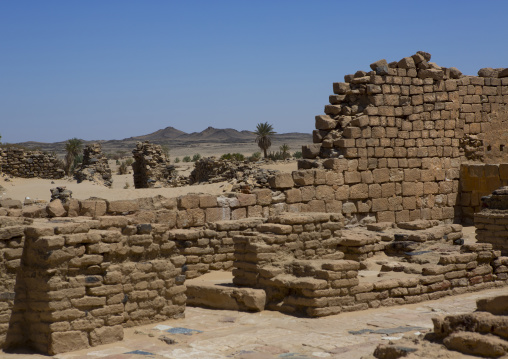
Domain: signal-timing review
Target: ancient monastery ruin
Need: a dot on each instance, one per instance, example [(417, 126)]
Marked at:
[(407, 149)]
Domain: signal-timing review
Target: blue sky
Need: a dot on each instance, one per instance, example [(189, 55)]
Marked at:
[(115, 69)]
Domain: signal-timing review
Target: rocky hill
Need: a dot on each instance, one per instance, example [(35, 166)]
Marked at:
[(174, 138)]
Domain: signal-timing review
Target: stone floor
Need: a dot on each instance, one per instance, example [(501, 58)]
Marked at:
[(229, 334)]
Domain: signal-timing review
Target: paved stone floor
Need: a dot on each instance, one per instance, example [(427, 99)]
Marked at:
[(229, 334)]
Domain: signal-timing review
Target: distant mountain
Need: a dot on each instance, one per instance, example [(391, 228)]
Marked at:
[(167, 133), (175, 138), (217, 135), (211, 134)]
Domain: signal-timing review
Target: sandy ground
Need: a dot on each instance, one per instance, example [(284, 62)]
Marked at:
[(123, 186), (265, 335)]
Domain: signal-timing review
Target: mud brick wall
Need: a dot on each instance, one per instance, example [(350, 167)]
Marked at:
[(476, 181), (28, 164), (81, 283)]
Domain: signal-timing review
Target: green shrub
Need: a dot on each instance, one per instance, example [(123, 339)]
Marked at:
[(196, 157), (123, 169), (256, 156), (233, 157), (297, 154), (275, 156), (177, 160), (187, 159)]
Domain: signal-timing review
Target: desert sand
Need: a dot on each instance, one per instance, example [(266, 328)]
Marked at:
[(123, 185)]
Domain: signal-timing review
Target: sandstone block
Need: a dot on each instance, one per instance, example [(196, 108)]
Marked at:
[(281, 180), (93, 208), (56, 209), (380, 66), (61, 342), (406, 63), (311, 151), (106, 335), (122, 206), (325, 122)]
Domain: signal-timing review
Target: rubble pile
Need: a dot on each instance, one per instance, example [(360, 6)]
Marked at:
[(243, 176), (152, 168), (95, 166)]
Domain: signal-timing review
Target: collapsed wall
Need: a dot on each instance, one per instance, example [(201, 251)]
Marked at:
[(407, 122), (18, 162), (308, 266), (151, 167), (95, 166)]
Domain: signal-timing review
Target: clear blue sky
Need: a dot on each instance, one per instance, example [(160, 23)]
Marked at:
[(115, 69)]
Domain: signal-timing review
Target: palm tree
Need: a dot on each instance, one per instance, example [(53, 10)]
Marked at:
[(285, 150), (73, 148), (263, 133)]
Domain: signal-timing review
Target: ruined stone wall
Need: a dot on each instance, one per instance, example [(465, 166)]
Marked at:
[(407, 122), (297, 262), (12, 239), (476, 181), (492, 222), (29, 164), (151, 167), (95, 166), (80, 283)]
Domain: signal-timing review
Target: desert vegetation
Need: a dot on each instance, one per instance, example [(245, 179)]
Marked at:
[(263, 132), (73, 149)]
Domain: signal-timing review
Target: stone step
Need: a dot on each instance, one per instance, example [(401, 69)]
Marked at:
[(216, 290)]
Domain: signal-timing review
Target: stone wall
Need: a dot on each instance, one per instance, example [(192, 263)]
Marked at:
[(29, 164), (12, 239), (476, 181), (405, 122), (151, 167), (296, 260), (79, 284), (492, 222), (95, 166)]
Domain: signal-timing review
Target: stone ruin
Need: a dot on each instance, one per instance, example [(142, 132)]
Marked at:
[(18, 162), (95, 166), (242, 175), (366, 221), (151, 167)]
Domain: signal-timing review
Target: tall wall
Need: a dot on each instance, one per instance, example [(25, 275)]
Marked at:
[(407, 122), (28, 164)]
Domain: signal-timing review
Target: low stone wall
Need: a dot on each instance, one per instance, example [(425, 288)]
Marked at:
[(295, 260), (476, 181), (210, 248), (79, 284), (12, 239), (28, 164)]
